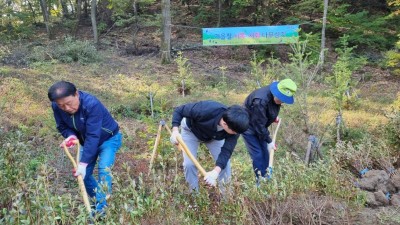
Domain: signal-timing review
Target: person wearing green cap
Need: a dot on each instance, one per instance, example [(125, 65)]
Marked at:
[(263, 106)]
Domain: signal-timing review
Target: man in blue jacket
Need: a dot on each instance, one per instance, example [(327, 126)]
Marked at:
[(264, 105), (81, 116), (215, 125)]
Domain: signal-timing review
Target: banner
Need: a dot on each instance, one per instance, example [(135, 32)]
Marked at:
[(283, 34)]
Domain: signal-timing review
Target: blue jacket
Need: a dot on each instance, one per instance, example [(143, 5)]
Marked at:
[(92, 124), (263, 111), (203, 118)]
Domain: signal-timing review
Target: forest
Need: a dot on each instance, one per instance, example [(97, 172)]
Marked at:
[(338, 146)]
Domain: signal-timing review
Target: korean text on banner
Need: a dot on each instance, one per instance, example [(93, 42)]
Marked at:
[(257, 35)]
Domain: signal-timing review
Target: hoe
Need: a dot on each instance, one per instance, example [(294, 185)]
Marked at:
[(271, 154), (80, 178), (181, 146)]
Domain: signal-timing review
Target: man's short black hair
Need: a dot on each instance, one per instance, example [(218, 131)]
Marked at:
[(61, 89), (237, 118)]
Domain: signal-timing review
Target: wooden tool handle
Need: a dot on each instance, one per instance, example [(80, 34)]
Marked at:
[(156, 143), (80, 178), (271, 154), (185, 149)]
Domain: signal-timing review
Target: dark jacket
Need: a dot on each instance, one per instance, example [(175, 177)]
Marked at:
[(92, 124), (263, 111), (202, 118)]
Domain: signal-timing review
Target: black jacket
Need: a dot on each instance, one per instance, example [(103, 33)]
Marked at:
[(203, 118), (263, 111)]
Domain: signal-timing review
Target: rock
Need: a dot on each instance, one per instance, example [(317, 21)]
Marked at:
[(368, 184), (372, 178), (376, 173), (395, 200), (381, 187), (386, 187), (396, 179), (391, 188), (381, 197), (371, 201)]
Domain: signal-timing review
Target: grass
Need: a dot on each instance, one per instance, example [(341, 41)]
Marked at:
[(38, 187)]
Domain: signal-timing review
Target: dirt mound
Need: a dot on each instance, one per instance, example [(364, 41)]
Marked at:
[(381, 188)]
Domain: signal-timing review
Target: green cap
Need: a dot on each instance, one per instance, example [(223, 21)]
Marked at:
[(284, 90)]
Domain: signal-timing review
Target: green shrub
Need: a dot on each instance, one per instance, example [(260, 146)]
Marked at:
[(69, 23), (68, 51), (101, 27), (16, 25), (366, 30), (39, 54), (355, 135), (204, 15), (323, 177), (392, 59), (76, 51)]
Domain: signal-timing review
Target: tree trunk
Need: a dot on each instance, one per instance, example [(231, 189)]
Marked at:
[(78, 15), (9, 25), (219, 13), (33, 11), (94, 22), (64, 8), (166, 39), (339, 121), (135, 8), (104, 13), (308, 153), (72, 7), (135, 45), (85, 8), (45, 14), (322, 53)]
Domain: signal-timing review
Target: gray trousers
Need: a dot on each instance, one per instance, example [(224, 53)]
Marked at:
[(214, 146)]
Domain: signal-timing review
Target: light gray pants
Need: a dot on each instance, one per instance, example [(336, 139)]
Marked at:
[(190, 169)]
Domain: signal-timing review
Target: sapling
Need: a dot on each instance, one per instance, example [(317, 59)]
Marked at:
[(341, 82), (184, 77)]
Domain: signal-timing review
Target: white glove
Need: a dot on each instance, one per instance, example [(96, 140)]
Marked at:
[(174, 135), (211, 177), (81, 170), (69, 141), (271, 146)]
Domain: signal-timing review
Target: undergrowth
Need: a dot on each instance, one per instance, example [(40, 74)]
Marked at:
[(37, 186), (160, 198)]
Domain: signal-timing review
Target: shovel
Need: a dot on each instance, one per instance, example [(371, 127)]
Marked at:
[(80, 178)]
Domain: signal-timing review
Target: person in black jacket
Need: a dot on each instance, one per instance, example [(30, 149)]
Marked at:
[(263, 105), (215, 125), (81, 116)]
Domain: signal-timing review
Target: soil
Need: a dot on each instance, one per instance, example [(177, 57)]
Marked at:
[(374, 84)]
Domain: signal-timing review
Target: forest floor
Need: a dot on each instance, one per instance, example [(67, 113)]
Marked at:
[(375, 85)]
